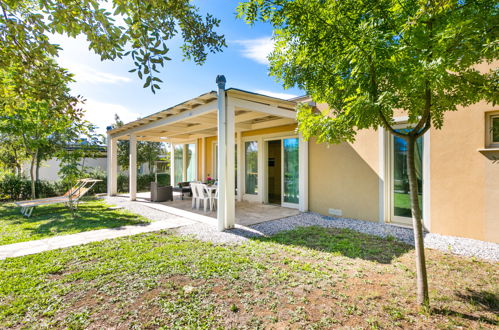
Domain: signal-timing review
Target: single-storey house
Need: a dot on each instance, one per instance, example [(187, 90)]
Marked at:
[(249, 143)]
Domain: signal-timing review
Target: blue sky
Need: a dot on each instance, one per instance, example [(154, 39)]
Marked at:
[(110, 89)]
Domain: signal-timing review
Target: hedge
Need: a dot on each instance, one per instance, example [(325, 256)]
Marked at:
[(13, 187)]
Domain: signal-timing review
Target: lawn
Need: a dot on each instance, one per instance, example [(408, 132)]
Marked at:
[(313, 278), (52, 220)]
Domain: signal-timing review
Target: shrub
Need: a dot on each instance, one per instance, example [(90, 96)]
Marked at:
[(14, 187)]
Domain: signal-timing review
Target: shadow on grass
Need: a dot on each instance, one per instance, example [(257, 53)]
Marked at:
[(343, 242), (486, 300), (50, 219), (450, 312)]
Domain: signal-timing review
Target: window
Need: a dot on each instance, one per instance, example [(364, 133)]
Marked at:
[(291, 173), (494, 129), (251, 167), (179, 163)]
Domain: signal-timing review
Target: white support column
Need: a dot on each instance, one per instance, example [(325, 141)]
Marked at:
[(133, 167), (112, 166), (239, 166), (203, 158), (303, 174), (230, 204), (222, 153), (172, 165)]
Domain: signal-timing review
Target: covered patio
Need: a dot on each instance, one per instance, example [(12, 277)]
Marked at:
[(245, 141), (246, 213)]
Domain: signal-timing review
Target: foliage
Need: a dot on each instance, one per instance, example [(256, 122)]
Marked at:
[(15, 187), (11, 154), (136, 29), (147, 151), (368, 60), (36, 107), (143, 182), (55, 220), (365, 59)]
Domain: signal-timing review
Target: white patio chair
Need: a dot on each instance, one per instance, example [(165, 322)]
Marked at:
[(195, 198), (203, 196), (214, 201)]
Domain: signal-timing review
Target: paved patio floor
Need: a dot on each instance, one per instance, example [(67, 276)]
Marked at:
[(247, 214)]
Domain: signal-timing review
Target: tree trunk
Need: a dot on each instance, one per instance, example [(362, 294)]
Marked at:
[(19, 170), (422, 281), (37, 172), (32, 174)]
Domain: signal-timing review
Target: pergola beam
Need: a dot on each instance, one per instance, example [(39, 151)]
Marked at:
[(260, 107), (273, 123), (196, 112)]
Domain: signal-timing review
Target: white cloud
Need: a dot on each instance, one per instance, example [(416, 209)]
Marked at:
[(284, 96), (257, 49), (85, 73), (102, 114)]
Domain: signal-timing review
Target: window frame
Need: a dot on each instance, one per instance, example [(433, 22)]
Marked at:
[(489, 127)]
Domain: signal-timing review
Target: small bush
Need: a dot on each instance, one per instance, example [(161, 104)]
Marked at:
[(13, 187)]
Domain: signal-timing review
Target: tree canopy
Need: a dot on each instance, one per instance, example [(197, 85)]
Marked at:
[(368, 60), (38, 112), (139, 29)]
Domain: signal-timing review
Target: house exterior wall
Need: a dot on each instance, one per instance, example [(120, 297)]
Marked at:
[(345, 177), (49, 170), (270, 130), (464, 181), (209, 156)]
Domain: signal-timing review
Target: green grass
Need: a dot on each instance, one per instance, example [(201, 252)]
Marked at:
[(52, 220), (311, 278)]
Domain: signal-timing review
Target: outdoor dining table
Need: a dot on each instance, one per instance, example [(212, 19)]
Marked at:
[(210, 189)]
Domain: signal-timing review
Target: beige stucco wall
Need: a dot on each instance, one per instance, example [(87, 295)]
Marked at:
[(464, 181), (345, 176)]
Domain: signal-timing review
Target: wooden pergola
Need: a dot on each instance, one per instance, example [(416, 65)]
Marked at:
[(225, 114)]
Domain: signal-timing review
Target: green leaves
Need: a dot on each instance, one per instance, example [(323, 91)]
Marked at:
[(366, 58), (139, 29)]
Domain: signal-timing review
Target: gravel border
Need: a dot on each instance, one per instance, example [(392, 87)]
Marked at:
[(456, 245)]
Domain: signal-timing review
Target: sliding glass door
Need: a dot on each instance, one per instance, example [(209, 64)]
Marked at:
[(178, 164), (251, 167), (185, 162), (401, 203), (290, 171)]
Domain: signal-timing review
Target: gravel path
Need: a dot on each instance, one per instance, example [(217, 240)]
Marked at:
[(456, 245)]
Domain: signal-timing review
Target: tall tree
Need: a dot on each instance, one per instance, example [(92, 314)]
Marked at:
[(139, 29), (366, 59), (35, 105), (148, 152)]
